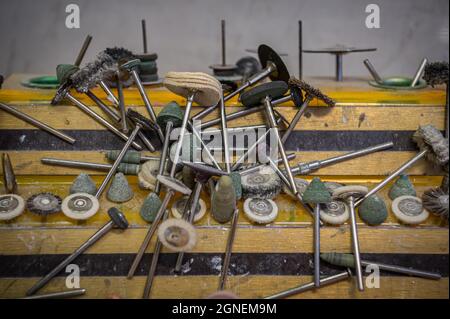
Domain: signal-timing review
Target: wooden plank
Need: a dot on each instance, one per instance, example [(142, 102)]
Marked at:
[(382, 239), (243, 286), (29, 163), (338, 118)]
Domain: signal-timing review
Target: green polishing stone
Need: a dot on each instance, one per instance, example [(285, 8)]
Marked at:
[(254, 96), (236, 178), (316, 192), (131, 64), (401, 187), (147, 68), (150, 207), (172, 112), (344, 260), (373, 210), (119, 191), (83, 184), (131, 156), (65, 71), (146, 78), (223, 200)]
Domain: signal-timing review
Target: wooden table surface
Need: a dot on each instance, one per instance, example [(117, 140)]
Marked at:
[(266, 259)]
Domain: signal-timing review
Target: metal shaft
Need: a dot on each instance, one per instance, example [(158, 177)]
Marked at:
[(9, 178), (100, 120), (296, 118), (310, 286), (249, 150), (256, 168), (36, 123), (419, 72), (147, 103), (339, 71), (162, 159), (123, 112), (224, 57), (99, 234), (108, 92), (108, 111), (59, 295), (83, 50), (233, 116), (404, 270), (300, 50), (355, 243), (393, 175), (372, 71), (230, 241), (317, 245), (116, 164), (96, 166), (306, 168), (191, 215), (144, 35), (205, 147)]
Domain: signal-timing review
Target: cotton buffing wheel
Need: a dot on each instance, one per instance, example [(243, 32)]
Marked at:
[(147, 175), (178, 208), (177, 235), (355, 191), (409, 210), (335, 212), (11, 206), (261, 211), (80, 206), (264, 183)]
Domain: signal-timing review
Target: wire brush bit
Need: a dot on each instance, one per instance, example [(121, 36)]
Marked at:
[(436, 73), (312, 91), (431, 139), (88, 76), (435, 200)]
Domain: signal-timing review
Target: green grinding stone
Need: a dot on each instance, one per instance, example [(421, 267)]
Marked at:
[(223, 200), (373, 210), (132, 157), (129, 169), (401, 187), (150, 207), (131, 64), (119, 191), (316, 192), (146, 78), (237, 184), (171, 112), (148, 67), (64, 71), (83, 184), (145, 57), (255, 95), (344, 260), (188, 177)]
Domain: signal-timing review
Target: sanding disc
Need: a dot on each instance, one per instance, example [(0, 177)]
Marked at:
[(44, 204), (335, 212), (174, 184), (355, 191), (11, 206), (264, 183), (267, 55), (177, 234), (255, 95), (147, 175), (178, 208), (80, 206), (261, 211), (409, 210)]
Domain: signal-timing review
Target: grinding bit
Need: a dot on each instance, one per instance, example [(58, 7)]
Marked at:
[(80, 206), (177, 234), (223, 200), (435, 200), (150, 207), (312, 91), (179, 205), (409, 210), (119, 191), (9, 178), (44, 204), (316, 192), (171, 112), (373, 210), (255, 95), (260, 211), (402, 186), (83, 184), (11, 206)]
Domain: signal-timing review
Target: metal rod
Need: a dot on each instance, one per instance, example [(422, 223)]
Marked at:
[(300, 50), (113, 169), (100, 119), (372, 71), (317, 246), (296, 118), (249, 150), (83, 50), (306, 168), (419, 72), (225, 132), (233, 116), (355, 243), (393, 175), (108, 92), (256, 168), (144, 35), (162, 159), (339, 71), (224, 57), (36, 123), (230, 241), (112, 114), (310, 286), (99, 234), (86, 165), (404, 270), (123, 112), (59, 295), (205, 147)]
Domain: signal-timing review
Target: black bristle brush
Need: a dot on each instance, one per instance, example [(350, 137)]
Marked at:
[(88, 76)]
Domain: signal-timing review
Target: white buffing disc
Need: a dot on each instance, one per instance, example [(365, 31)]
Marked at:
[(335, 212), (11, 206), (177, 234), (261, 211), (409, 210), (80, 206), (178, 206)]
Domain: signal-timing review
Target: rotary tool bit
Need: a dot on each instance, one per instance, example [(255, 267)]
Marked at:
[(9, 178), (419, 72), (130, 169)]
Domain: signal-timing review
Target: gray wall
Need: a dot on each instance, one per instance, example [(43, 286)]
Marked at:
[(185, 33)]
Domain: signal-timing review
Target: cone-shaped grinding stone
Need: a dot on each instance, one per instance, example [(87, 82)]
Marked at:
[(150, 207), (83, 184), (64, 71), (223, 201), (373, 210), (402, 186), (172, 112), (119, 191), (316, 192)]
